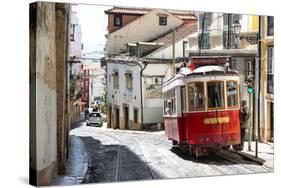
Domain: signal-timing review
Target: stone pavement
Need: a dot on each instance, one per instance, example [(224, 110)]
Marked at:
[(76, 165), (265, 153)]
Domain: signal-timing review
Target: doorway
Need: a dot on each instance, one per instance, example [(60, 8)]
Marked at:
[(109, 117), (126, 116), (117, 114), (271, 121)]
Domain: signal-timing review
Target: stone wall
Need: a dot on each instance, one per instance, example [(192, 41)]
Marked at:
[(48, 30)]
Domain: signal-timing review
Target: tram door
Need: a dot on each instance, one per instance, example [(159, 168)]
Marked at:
[(183, 109)]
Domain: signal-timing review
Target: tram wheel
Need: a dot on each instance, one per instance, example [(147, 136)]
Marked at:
[(237, 147), (226, 147), (174, 142)]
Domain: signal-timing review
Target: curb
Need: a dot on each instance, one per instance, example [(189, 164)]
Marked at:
[(77, 120), (86, 163)]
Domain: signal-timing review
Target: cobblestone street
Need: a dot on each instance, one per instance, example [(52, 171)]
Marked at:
[(123, 155)]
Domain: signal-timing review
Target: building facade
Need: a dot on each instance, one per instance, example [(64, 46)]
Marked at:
[(251, 58), (267, 78), (137, 68), (143, 28), (75, 45)]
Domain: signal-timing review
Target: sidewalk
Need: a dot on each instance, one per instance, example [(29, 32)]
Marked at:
[(265, 153), (76, 165)]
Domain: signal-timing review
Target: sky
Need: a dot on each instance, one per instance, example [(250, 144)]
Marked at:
[(93, 23)]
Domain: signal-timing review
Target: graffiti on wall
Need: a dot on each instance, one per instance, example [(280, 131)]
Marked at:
[(153, 87)]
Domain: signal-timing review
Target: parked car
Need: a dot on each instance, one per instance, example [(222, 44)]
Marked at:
[(95, 118)]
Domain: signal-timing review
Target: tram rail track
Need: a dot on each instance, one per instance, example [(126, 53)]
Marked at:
[(119, 152), (241, 159)]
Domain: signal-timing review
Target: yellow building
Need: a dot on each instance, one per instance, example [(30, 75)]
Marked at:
[(267, 70)]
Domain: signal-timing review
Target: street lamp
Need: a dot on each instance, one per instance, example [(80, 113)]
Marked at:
[(236, 29)]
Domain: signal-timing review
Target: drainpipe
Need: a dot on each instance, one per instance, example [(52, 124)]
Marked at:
[(141, 71), (67, 84), (257, 127), (174, 61)]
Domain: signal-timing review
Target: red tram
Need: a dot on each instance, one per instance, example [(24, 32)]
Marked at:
[(202, 110)]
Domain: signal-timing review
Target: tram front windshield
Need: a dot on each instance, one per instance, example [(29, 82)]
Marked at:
[(215, 94)]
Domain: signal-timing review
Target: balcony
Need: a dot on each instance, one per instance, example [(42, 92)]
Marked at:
[(229, 40), (204, 40)]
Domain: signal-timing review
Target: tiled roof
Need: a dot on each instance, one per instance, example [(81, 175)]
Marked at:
[(127, 10), (182, 14), (181, 32)]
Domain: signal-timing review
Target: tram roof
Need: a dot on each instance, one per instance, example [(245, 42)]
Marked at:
[(203, 70)]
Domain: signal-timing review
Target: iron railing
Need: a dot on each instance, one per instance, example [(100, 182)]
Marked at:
[(204, 40)]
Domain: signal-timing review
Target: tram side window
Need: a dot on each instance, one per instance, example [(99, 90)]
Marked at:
[(232, 94), (166, 103), (215, 94), (169, 102), (173, 101), (196, 96)]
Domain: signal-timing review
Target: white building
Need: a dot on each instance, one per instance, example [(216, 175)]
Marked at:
[(96, 83), (153, 24), (134, 79), (75, 44)]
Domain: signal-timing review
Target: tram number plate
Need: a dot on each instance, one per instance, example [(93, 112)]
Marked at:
[(220, 120)]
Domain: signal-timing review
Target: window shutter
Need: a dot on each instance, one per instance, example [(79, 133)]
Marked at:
[(201, 20), (225, 22)]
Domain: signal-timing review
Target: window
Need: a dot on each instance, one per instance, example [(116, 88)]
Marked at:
[(183, 98), (270, 69), (215, 94), (72, 32), (232, 94), (117, 20), (205, 21), (228, 35), (129, 81), (162, 20), (204, 40), (196, 96), (94, 115), (169, 102), (173, 101), (135, 115), (115, 80), (270, 26), (184, 47)]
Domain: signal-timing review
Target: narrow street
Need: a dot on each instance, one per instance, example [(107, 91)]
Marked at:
[(122, 155), (166, 88)]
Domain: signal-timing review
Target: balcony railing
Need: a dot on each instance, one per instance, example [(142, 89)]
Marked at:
[(229, 40), (204, 40)]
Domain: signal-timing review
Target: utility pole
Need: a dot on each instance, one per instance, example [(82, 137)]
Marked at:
[(259, 87), (174, 61), (250, 90)]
